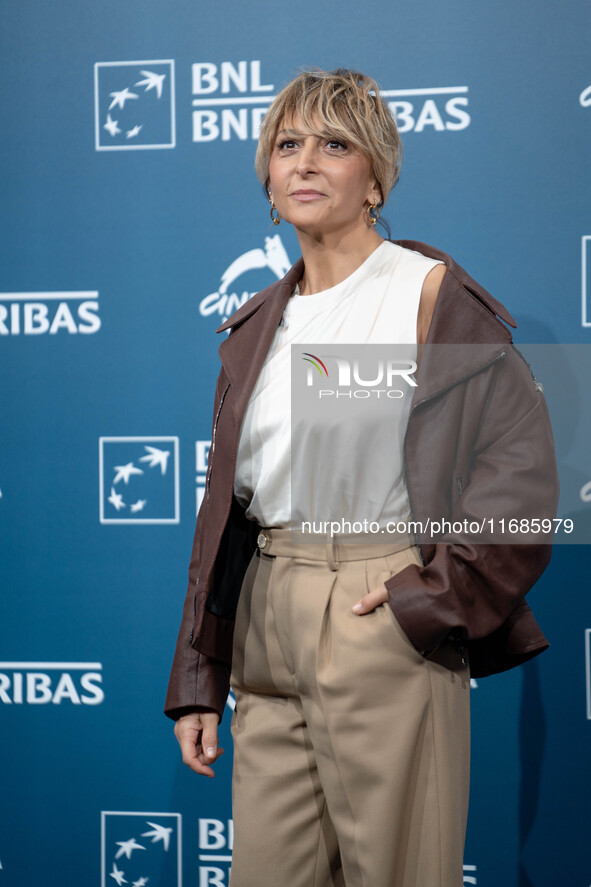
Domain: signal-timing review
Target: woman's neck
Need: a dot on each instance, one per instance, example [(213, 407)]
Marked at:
[(330, 260)]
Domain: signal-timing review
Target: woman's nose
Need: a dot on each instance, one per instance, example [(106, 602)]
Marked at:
[(307, 158)]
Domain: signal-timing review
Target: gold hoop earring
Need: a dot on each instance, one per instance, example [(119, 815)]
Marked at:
[(373, 213), (275, 219)]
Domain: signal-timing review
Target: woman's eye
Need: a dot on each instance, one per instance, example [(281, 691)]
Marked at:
[(335, 144), (286, 144)]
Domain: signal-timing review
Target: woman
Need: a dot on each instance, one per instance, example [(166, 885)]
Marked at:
[(350, 659)]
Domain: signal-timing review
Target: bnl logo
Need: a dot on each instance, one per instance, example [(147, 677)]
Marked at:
[(139, 480), (470, 875), (216, 841), (229, 101), (202, 448), (134, 105)]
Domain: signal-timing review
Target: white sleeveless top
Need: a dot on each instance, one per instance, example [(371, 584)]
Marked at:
[(358, 478)]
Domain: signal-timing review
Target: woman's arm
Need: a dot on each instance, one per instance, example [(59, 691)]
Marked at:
[(198, 685), (429, 294)]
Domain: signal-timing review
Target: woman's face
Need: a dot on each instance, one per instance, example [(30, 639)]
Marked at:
[(320, 184)]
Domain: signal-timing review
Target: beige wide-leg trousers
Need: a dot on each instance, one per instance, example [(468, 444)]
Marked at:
[(351, 751)]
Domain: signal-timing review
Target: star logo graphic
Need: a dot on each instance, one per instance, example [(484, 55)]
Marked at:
[(112, 126), (158, 833), (152, 81), (119, 98), (124, 472), (116, 500), (126, 848), (156, 457), (139, 480), (118, 876), (134, 105), (136, 862)]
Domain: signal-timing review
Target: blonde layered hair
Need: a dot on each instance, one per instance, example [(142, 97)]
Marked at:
[(345, 104)]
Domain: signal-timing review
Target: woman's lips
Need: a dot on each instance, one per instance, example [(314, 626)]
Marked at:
[(306, 195)]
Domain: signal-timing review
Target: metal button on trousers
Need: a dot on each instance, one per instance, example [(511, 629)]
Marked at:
[(351, 751)]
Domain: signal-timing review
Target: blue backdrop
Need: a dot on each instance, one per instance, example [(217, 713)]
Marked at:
[(132, 224)]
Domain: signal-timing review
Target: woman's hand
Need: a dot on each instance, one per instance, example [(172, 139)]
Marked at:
[(197, 735), (370, 601)]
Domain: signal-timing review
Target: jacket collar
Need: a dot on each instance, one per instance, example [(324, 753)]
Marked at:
[(286, 284), (243, 353), (472, 320)]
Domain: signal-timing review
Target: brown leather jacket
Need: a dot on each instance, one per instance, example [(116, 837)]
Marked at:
[(487, 401)]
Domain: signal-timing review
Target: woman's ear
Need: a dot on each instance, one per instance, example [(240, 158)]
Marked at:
[(374, 197)]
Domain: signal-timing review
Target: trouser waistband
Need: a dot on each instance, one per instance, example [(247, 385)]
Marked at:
[(283, 542)]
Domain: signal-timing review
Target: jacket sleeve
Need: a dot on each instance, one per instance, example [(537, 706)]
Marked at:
[(472, 589), (196, 680)]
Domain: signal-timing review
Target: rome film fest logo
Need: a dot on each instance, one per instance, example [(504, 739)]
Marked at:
[(230, 296), (141, 849), (134, 105), (139, 480)]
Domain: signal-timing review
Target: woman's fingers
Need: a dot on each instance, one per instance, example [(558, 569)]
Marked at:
[(197, 735), (370, 601), (209, 734)]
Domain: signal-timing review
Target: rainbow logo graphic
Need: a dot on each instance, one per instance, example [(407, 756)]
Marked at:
[(316, 362)]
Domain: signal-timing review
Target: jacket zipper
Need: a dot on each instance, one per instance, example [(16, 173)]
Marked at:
[(425, 400), (211, 452)]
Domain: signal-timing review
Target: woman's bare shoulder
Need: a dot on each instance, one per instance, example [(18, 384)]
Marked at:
[(429, 293)]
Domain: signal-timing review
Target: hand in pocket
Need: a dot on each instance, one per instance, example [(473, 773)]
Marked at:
[(371, 600)]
